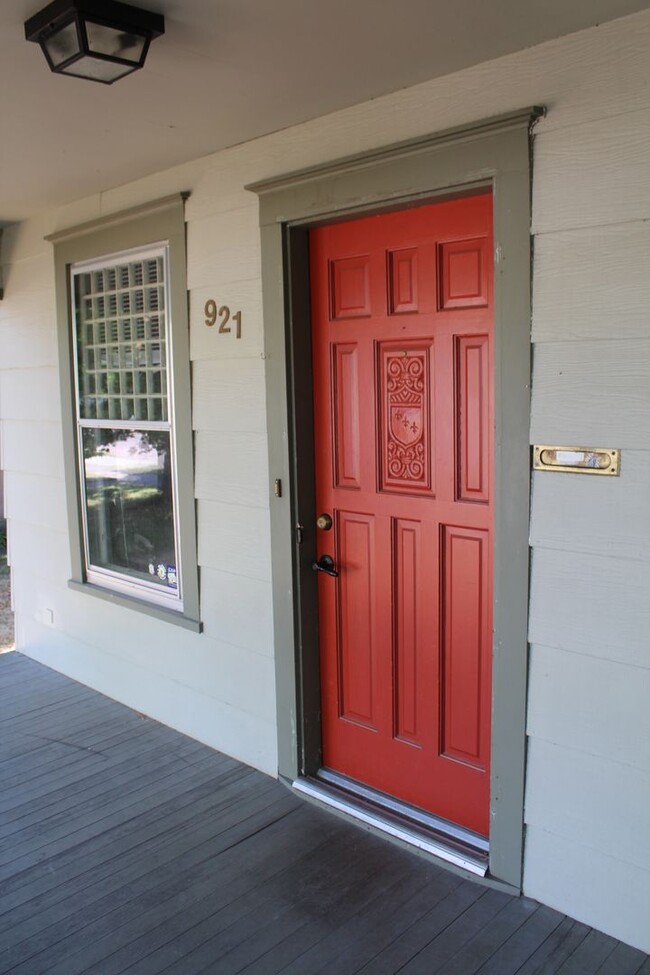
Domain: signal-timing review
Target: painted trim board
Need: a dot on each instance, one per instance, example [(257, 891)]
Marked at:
[(494, 153)]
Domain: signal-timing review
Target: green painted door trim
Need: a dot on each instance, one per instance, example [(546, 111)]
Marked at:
[(493, 153)]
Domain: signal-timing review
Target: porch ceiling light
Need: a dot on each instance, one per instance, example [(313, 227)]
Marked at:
[(101, 40)]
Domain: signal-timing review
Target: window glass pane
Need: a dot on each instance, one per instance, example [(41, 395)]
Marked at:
[(121, 341), (129, 510)]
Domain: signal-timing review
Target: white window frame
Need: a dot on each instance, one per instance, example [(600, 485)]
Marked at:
[(121, 581)]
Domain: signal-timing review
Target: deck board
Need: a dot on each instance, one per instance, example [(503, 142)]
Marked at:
[(127, 847)]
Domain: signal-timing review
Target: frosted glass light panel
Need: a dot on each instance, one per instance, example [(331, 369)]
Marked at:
[(121, 341)]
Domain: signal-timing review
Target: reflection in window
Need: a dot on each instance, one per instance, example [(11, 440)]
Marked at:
[(129, 503)]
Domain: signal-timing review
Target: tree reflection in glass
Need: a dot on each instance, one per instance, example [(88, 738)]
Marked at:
[(128, 490)]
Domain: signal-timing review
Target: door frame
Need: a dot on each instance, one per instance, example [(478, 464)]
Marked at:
[(496, 154)]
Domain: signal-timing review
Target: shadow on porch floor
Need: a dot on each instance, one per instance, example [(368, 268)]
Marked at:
[(127, 847)]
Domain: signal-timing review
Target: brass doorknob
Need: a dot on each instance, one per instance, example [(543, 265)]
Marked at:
[(324, 522)]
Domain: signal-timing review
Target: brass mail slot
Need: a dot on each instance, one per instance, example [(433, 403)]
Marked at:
[(577, 460)]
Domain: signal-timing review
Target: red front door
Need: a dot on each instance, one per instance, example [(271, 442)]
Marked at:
[(402, 356)]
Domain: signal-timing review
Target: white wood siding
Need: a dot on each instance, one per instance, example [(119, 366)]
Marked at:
[(575, 271), (590, 536), (588, 777), (570, 589), (604, 891), (571, 512), (592, 393)]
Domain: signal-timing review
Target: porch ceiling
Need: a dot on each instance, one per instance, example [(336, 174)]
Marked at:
[(229, 70)]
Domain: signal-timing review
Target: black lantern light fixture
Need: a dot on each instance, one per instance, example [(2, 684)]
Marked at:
[(101, 40)]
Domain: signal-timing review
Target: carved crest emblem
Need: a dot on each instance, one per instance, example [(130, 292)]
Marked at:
[(406, 424)]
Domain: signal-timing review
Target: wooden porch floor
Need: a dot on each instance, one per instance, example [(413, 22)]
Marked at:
[(126, 847)]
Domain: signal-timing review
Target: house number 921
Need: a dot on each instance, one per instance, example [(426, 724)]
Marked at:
[(223, 314)]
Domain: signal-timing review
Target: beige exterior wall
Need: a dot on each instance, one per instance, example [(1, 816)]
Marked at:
[(587, 851)]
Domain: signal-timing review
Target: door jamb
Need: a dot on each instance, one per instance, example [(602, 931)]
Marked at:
[(495, 152)]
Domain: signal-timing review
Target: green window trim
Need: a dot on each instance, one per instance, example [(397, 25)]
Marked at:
[(158, 225)]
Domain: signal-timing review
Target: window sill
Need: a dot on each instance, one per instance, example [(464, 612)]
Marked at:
[(139, 605)]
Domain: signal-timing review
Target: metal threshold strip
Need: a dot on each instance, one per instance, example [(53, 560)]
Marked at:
[(434, 836)]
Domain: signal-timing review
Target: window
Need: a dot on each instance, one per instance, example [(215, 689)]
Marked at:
[(124, 423), (127, 390)]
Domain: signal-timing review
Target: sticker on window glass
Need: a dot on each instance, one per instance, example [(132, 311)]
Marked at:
[(171, 576), (161, 572)]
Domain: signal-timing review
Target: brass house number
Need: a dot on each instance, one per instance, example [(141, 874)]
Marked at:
[(224, 315)]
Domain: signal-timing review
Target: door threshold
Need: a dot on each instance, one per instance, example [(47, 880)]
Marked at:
[(412, 826)]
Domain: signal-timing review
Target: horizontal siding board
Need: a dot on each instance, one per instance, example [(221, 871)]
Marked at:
[(592, 393), (32, 448), (207, 342), (595, 72), (40, 548), (36, 500), (584, 173), (592, 284), (594, 706), (586, 799), (231, 467), (235, 539), (237, 610), (233, 676), (27, 344), (225, 247), (595, 515), (569, 593), (229, 396), (29, 394), (611, 894)]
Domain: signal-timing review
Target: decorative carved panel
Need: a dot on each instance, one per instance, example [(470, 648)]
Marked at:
[(405, 396)]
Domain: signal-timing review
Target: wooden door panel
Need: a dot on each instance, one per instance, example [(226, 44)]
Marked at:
[(346, 399), (403, 281), (472, 418), (412, 605), (403, 403), (463, 273), (464, 724), (350, 287), (358, 665)]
